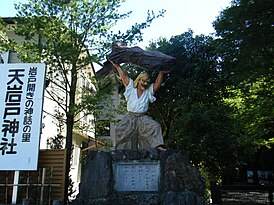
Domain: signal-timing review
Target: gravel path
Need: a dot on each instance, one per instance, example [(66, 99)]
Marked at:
[(245, 198)]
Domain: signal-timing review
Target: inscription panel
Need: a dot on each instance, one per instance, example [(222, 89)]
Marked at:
[(136, 176)]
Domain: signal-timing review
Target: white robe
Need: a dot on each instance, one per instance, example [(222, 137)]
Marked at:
[(136, 130)]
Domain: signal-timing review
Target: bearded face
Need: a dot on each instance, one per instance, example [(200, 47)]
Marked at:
[(143, 82)]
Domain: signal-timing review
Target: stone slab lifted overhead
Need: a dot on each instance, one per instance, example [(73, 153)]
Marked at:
[(147, 60)]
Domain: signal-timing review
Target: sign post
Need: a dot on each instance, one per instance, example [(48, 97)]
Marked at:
[(15, 187)]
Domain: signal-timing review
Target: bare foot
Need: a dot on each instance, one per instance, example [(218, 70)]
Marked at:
[(161, 147)]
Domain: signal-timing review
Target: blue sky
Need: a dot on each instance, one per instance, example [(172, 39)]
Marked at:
[(180, 16)]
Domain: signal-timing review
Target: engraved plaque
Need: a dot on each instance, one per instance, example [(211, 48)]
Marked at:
[(136, 176)]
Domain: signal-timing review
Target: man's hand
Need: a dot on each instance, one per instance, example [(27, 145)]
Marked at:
[(122, 73), (116, 65)]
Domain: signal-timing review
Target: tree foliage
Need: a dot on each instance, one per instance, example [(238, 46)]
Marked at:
[(246, 34), (246, 39), (217, 102), (189, 105), (68, 35)]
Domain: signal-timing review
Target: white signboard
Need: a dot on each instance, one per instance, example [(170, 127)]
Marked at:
[(21, 103), (136, 176)]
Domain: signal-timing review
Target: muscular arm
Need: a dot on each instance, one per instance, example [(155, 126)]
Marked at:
[(123, 75), (158, 81)]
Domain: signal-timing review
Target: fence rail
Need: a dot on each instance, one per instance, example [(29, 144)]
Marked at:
[(39, 187), (242, 194)]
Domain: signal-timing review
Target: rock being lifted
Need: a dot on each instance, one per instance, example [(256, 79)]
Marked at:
[(148, 60)]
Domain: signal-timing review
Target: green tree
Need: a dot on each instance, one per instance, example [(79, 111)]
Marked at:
[(68, 35), (189, 105), (252, 105), (246, 34)]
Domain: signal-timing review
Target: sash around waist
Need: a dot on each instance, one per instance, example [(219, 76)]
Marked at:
[(137, 114)]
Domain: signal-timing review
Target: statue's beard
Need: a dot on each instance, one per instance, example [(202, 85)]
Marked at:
[(144, 87)]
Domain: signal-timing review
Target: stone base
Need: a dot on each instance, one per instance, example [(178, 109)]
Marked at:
[(177, 183)]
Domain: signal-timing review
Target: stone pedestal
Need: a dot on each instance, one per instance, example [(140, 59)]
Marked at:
[(125, 177)]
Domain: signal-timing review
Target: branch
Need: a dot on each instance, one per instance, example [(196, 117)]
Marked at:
[(53, 98), (64, 121)]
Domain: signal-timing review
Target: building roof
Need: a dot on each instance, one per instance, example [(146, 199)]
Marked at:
[(9, 20), (105, 70)]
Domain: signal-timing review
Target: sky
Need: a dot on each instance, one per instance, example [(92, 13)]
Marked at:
[(180, 16)]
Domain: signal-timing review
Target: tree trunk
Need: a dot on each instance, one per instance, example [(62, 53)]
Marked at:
[(70, 123), (256, 166), (216, 193)]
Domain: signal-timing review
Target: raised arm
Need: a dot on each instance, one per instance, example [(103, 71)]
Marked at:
[(158, 81), (123, 75)]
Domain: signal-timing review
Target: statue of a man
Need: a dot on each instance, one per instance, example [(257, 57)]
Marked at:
[(137, 130)]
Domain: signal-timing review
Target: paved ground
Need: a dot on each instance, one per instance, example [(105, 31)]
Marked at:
[(245, 198)]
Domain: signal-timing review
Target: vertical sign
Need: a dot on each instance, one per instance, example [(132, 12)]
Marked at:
[(21, 103)]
